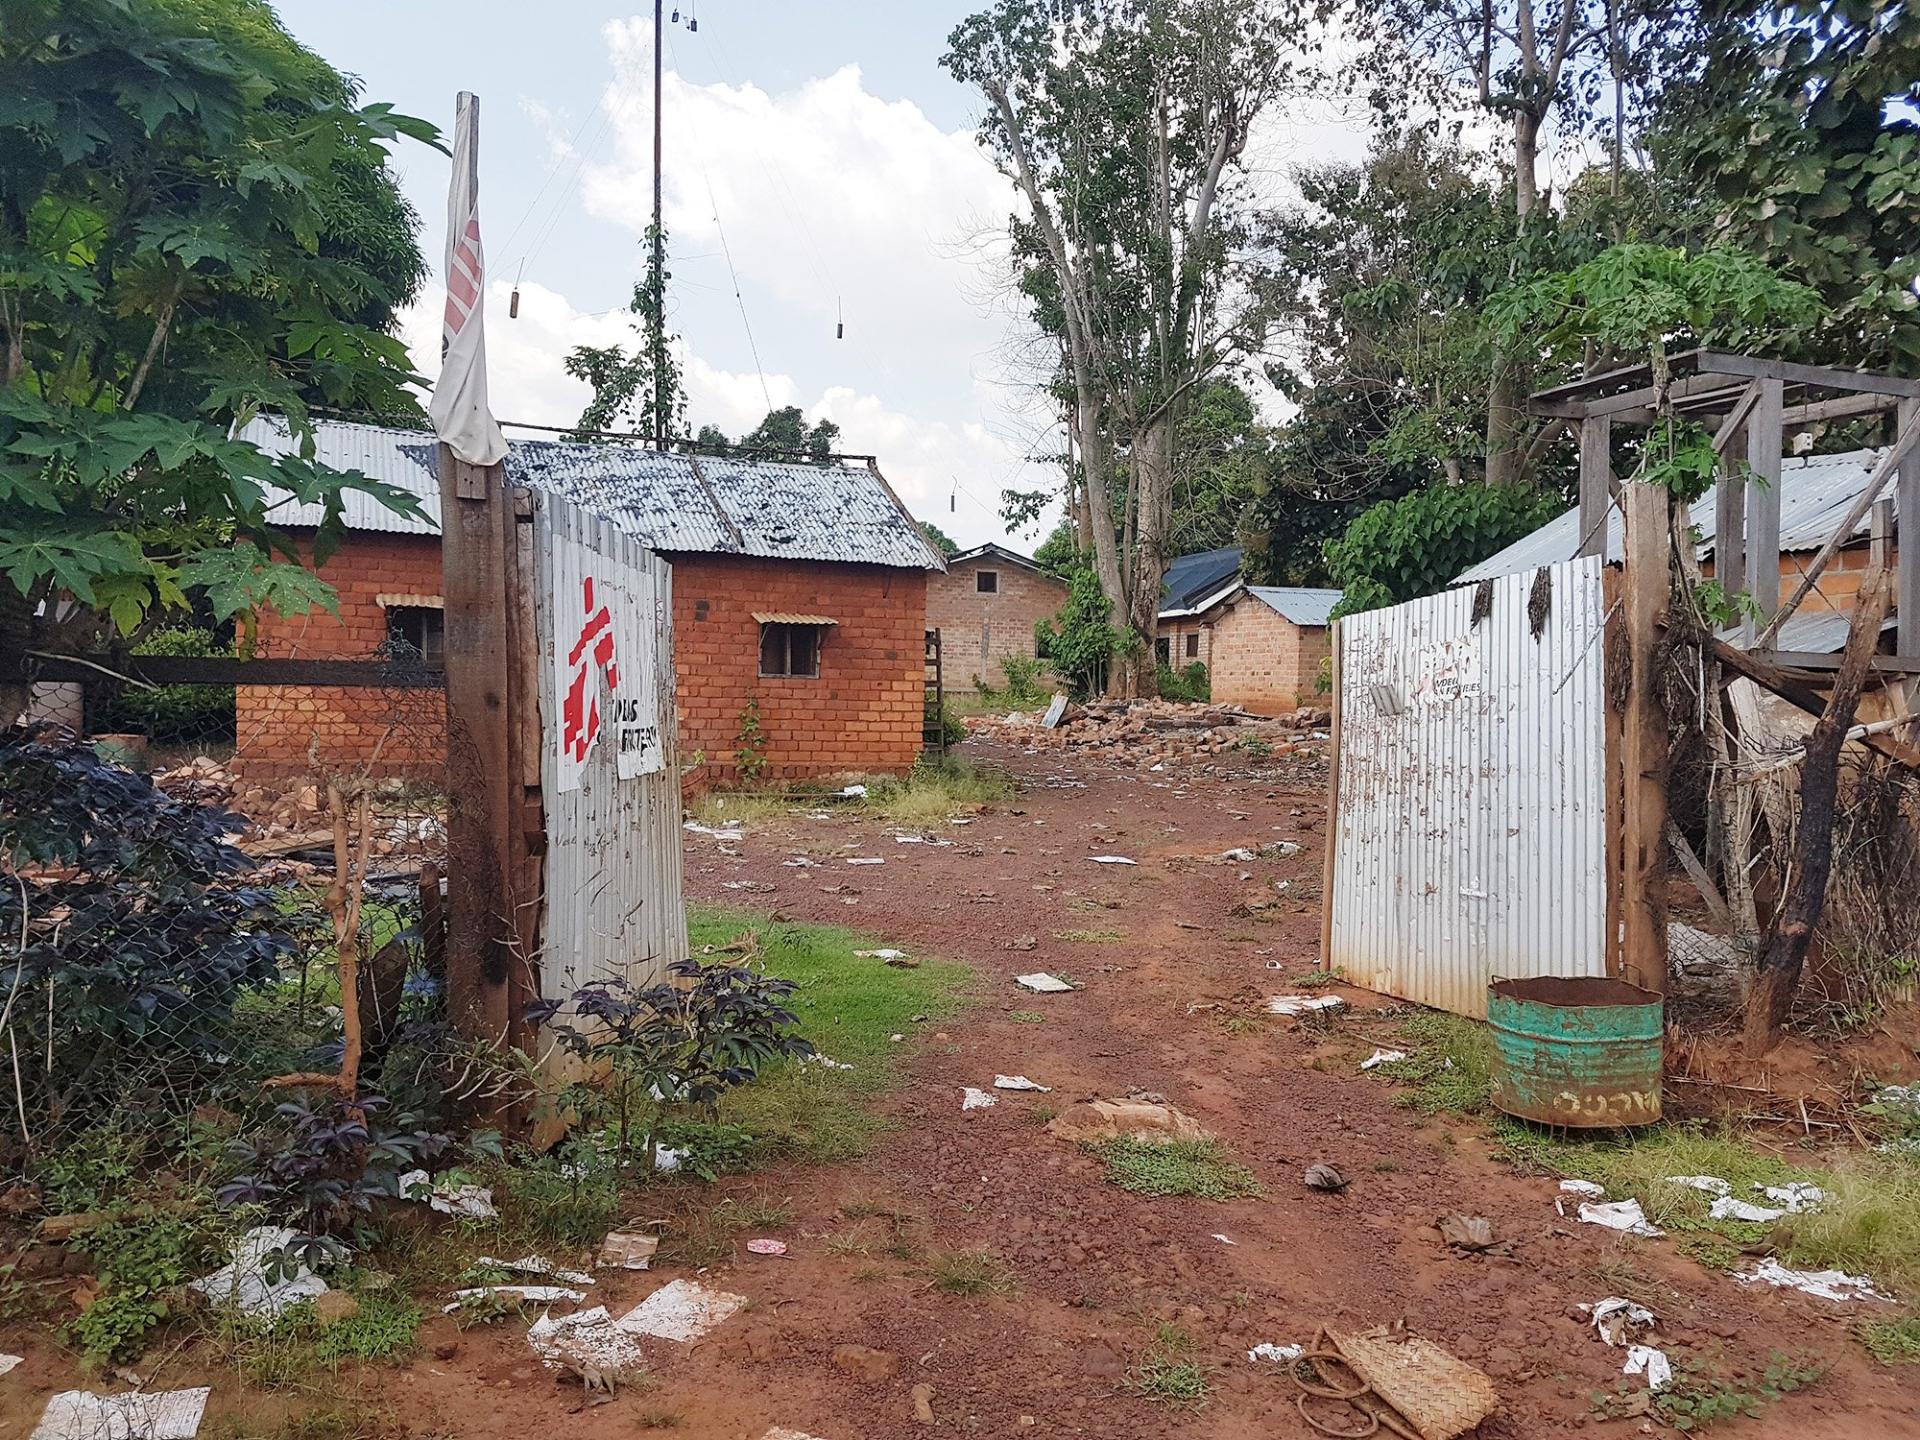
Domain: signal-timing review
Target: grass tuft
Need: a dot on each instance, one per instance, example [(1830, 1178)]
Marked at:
[(1449, 1065), (1167, 1372), (1893, 1342), (1181, 1167), (969, 1272)]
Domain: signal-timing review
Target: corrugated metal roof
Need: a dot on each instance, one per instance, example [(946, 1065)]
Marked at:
[(1300, 604), (781, 617), (670, 502), (1191, 578), (1815, 491)]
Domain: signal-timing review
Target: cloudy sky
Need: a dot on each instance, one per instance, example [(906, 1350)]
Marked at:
[(816, 145)]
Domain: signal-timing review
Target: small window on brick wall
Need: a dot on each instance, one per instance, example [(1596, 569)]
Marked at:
[(420, 628), (986, 582), (1193, 646), (790, 651)]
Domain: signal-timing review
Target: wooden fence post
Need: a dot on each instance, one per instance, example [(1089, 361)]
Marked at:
[(1645, 585), (492, 854)]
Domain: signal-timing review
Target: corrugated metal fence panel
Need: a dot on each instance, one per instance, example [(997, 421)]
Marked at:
[(614, 905), (1471, 828)]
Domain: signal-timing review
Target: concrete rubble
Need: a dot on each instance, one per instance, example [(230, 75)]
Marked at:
[(1151, 733)]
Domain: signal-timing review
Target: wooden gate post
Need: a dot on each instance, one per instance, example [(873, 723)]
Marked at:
[(1643, 759), (493, 755)]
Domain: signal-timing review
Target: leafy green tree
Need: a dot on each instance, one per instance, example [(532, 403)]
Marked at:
[(170, 264), (1402, 549), (641, 389), (1079, 643), (713, 438), (941, 540), (784, 433), (1059, 554)]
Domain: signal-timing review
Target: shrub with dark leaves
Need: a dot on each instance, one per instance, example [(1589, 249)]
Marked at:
[(121, 901), (685, 1041), (321, 1165)]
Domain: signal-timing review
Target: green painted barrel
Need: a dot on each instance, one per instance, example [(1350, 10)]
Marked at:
[(1579, 1052)]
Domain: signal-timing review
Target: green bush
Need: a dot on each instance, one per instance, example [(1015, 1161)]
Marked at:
[(1191, 683), (1078, 642), (1023, 678), (174, 714), (1402, 549)]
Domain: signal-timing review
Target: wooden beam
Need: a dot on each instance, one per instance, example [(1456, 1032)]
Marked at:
[(1327, 865), (1830, 660), (1906, 560), (1769, 676), (1687, 387), (1644, 758), (1596, 483), (1840, 407), (1733, 429), (221, 670), (1730, 513), (1763, 500), (1905, 439), (1825, 377)]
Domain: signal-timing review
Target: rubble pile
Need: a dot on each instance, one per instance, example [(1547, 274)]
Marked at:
[(291, 814), (1151, 733)]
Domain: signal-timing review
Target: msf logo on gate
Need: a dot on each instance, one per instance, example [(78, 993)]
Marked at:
[(593, 649)]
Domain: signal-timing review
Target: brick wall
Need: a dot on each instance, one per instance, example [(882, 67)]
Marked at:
[(281, 730), (1177, 633), (1262, 660), (864, 711), (977, 631)]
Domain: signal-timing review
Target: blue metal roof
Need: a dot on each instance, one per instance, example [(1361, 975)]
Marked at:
[(1298, 603), (1815, 491), (671, 502), (1190, 579)]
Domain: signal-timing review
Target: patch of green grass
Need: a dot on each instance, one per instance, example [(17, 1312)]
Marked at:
[(1180, 1167), (1168, 1373), (1027, 1017), (848, 1008), (1316, 979), (758, 1211), (1449, 1065), (1700, 1395), (934, 789), (1893, 1342), (383, 1329), (1089, 937), (659, 1419), (968, 1272)]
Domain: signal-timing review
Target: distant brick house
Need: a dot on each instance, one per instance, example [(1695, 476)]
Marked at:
[(1267, 645), (799, 591), (1194, 587), (985, 608)]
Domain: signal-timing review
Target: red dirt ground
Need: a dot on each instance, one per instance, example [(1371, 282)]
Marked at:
[(1098, 1269)]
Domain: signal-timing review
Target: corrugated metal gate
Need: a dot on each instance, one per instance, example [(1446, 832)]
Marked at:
[(1470, 819), (604, 619)]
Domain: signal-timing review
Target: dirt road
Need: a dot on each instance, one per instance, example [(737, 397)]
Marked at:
[(1173, 974)]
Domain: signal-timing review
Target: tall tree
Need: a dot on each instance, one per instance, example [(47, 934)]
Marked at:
[(784, 433), (639, 389), (1123, 124), (170, 263)]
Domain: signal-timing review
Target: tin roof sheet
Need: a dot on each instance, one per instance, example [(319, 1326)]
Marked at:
[(1301, 604), (1815, 491), (1189, 579), (671, 502)]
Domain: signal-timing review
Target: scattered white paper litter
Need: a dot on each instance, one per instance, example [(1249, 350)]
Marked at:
[(880, 954), (799, 862), (825, 1062), (1042, 983), (1304, 1004), (1711, 1184), (1646, 1360), (682, 1310), (1113, 860), (1582, 1187), (534, 1294), (7, 1362), (1616, 1314), (589, 1342), (732, 832), (469, 1202), (920, 840), (780, 1432), (627, 1250), (1382, 1057), (1625, 1216), (853, 792), (1826, 1284), (1269, 1351), (1795, 1196), (243, 1283), (1729, 1207), (163, 1415), (1018, 1082), (866, 860), (1223, 1239), (972, 1099), (665, 1160), (538, 1265)]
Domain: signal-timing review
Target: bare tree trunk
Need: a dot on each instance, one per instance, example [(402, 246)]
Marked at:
[(1783, 950), (1152, 458), (1526, 163)]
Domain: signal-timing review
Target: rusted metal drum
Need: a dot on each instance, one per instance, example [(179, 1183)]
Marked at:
[(1583, 1053)]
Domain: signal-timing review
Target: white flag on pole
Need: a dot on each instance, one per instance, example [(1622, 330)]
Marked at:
[(461, 417)]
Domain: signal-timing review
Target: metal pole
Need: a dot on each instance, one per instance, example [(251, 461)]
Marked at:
[(659, 256)]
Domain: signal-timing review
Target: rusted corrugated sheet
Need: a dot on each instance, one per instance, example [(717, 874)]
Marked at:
[(1470, 829), (669, 502), (613, 865)]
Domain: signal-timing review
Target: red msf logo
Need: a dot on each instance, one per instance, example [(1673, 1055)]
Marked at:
[(581, 712)]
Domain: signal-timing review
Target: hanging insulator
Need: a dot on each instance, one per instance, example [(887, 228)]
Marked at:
[(694, 24), (676, 14), (840, 330), (513, 304)]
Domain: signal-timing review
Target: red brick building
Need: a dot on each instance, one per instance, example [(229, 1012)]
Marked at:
[(985, 608), (799, 607), (1266, 645)]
